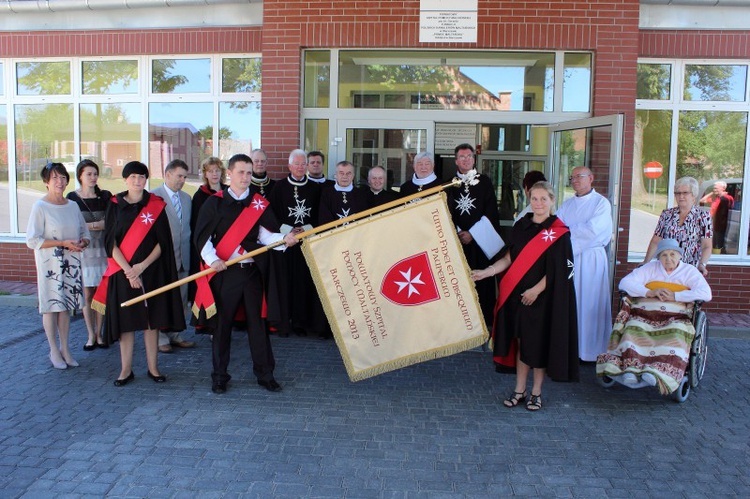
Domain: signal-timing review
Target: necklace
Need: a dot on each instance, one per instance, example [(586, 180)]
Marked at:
[(296, 184), (261, 182)]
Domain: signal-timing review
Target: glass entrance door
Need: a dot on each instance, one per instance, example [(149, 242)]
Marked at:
[(506, 173), (597, 144), (384, 145)]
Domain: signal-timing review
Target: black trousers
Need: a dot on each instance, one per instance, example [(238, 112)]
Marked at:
[(240, 286)]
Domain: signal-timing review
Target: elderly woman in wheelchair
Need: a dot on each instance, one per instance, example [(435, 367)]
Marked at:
[(653, 337)]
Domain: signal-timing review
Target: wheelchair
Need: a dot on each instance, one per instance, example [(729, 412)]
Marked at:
[(696, 361)]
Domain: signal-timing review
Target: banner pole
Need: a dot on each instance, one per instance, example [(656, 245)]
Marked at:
[(301, 235)]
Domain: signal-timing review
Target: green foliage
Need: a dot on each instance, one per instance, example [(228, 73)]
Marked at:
[(162, 81)]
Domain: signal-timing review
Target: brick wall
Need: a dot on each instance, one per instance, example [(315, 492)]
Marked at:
[(136, 42), (609, 28), (17, 263)]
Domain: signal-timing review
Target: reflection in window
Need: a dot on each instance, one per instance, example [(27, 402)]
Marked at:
[(110, 77), (500, 81), (180, 76), (577, 83), (317, 78), (4, 192), (239, 128), (43, 78), (111, 137), (715, 83), (178, 131), (711, 148), (393, 149), (240, 75), (44, 132), (316, 137), (515, 138), (654, 81), (651, 143)]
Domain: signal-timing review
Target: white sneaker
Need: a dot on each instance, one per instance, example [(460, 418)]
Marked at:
[(648, 378), (629, 379)]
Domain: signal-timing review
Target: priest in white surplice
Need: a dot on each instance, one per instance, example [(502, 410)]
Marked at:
[(589, 216)]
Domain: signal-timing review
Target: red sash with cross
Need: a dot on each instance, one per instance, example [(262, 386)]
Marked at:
[(240, 228), (528, 256), (130, 243)]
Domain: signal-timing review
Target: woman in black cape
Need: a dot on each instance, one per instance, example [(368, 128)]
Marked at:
[(151, 266), (539, 314)]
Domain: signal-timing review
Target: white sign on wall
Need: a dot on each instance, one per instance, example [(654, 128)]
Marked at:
[(448, 21), (448, 136)]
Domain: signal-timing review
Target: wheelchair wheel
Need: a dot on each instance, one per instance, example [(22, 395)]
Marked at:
[(699, 349), (605, 381), (683, 391)]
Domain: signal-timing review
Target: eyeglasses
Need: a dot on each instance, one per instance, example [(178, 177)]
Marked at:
[(682, 193), (465, 156), (579, 176)]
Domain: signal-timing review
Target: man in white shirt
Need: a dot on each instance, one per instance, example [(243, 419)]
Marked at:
[(231, 223)]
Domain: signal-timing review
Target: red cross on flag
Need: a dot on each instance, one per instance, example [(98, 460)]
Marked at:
[(396, 288)]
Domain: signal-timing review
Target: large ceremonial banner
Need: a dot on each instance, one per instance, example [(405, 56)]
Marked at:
[(396, 288)]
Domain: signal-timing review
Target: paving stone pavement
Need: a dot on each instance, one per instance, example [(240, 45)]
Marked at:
[(437, 429)]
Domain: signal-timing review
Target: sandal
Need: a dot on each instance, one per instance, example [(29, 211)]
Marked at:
[(534, 403), (515, 399)]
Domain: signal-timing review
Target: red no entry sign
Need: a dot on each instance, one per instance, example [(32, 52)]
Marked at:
[(653, 169)]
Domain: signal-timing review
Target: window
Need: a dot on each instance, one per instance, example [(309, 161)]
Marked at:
[(180, 76), (43, 78), (114, 110), (480, 81), (110, 77), (713, 82), (317, 78), (44, 133), (4, 186), (654, 81), (241, 75), (577, 83), (688, 138)]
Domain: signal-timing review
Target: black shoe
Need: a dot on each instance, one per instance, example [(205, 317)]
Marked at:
[(219, 387), (125, 381), (157, 379), (101, 345), (271, 386), (88, 348)]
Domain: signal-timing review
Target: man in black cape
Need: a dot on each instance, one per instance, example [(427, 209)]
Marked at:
[(238, 214), (474, 212), (341, 199), (295, 201)]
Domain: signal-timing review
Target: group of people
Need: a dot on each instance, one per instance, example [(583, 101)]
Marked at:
[(552, 306)]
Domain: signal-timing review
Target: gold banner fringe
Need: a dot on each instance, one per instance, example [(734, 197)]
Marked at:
[(408, 360), (99, 307)]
